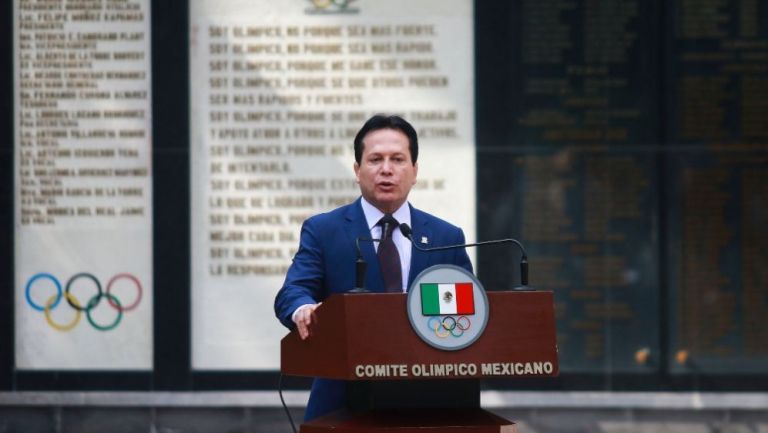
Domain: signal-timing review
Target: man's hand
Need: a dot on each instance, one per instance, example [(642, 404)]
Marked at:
[(305, 318)]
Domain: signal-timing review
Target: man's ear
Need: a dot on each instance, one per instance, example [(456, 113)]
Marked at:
[(415, 172), (356, 167)]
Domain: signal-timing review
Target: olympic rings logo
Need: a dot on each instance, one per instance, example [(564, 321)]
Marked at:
[(53, 301), (449, 325), (331, 6), (322, 4)]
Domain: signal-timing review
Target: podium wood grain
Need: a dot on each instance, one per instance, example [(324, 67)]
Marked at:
[(374, 329)]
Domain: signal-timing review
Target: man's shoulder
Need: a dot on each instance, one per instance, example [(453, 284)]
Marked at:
[(334, 216), (428, 218)]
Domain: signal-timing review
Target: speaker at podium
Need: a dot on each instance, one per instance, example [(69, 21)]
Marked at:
[(413, 361)]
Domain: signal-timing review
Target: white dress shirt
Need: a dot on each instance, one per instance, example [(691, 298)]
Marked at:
[(402, 215)]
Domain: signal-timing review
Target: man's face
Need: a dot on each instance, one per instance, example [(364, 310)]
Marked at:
[(385, 172)]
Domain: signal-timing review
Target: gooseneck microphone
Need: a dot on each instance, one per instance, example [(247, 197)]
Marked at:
[(405, 229), (361, 266)]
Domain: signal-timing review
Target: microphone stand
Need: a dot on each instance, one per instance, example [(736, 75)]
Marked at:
[(361, 267), (408, 233)]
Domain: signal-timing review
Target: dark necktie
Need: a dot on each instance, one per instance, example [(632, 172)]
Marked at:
[(389, 258)]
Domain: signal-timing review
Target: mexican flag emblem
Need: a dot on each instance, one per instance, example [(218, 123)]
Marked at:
[(441, 299)]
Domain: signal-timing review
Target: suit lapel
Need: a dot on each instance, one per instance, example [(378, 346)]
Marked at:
[(358, 228), (421, 230)]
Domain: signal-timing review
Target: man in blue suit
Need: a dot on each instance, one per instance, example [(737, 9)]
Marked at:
[(386, 150)]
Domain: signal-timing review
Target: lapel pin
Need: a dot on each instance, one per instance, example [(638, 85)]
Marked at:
[(424, 240)]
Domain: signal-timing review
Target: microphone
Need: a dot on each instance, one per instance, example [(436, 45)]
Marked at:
[(408, 234), (361, 266)]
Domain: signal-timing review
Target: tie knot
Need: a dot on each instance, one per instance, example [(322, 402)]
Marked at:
[(388, 224)]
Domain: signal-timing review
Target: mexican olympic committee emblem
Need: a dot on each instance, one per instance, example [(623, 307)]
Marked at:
[(447, 307)]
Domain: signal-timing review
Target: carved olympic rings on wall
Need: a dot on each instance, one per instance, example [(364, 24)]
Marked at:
[(54, 300)]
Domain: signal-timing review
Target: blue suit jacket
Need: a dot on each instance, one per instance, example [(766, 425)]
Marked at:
[(325, 264)]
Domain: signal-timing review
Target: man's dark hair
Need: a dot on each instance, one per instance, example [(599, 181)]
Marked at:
[(381, 121)]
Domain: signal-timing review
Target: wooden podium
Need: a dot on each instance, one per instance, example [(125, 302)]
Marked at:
[(401, 384)]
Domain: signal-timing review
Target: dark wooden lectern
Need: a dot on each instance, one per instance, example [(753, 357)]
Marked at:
[(409, 385)]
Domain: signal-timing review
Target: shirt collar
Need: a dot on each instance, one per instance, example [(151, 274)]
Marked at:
[(373, 215)]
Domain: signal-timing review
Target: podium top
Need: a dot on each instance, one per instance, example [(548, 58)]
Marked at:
[(369, 337)]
